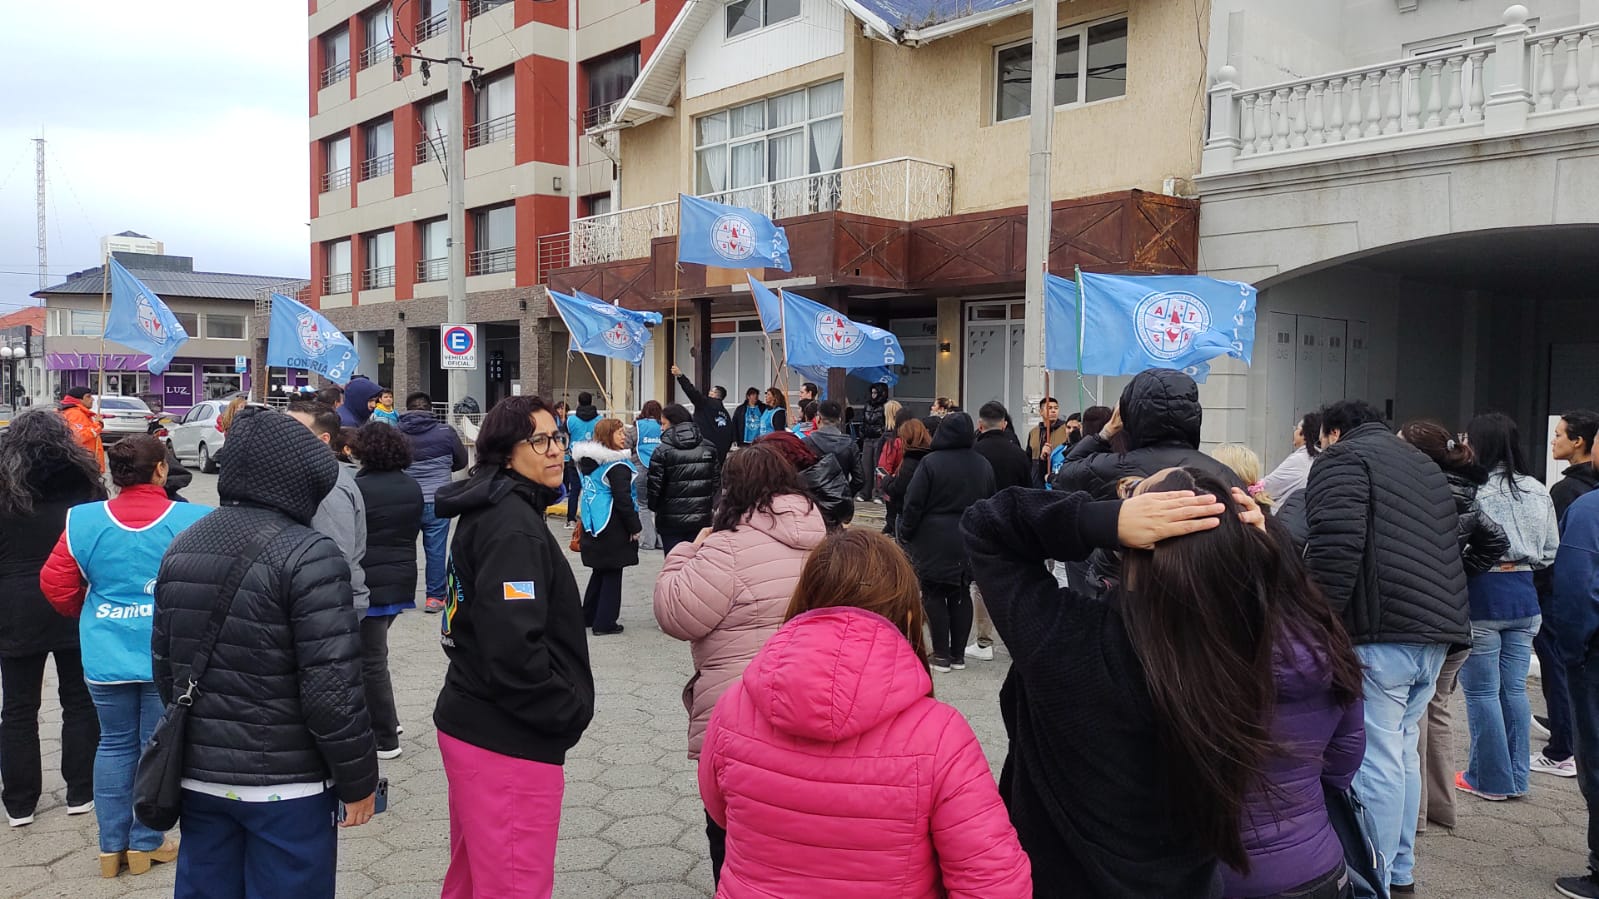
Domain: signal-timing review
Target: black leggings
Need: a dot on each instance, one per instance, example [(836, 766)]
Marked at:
[(602, 600), (949, 617), (574, 490), (22, 682)]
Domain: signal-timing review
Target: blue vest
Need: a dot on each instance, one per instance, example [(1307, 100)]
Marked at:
[(752, 423), (579, 430), (767, 419), (1057, 458), (120, 565), (596, 503), (649, 437)]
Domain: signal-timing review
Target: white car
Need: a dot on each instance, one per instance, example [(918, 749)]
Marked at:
[(195, 435), (123, 415)]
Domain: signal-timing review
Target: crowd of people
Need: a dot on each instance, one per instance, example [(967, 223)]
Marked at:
[(1224, 681)]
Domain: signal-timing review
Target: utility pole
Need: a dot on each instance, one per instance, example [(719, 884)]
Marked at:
[(455, 178), (44, 256), (1041, 131)]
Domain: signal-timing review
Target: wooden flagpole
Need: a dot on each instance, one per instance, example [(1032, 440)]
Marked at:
[(105, 290)]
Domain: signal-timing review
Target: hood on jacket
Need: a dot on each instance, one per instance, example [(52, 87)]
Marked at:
[(596, 454), (1585, 473), (832, 674), (794, 522), (956, 431), (272, 460), (1161, 407), (683, 435), (586, 413), (418, 422), (485, 488), (358, 393), (877, 394)]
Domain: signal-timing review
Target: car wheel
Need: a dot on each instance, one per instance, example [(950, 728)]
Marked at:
[(170, 450), (206, 465)]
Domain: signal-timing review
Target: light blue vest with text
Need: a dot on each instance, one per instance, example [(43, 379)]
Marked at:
[(596, 504)]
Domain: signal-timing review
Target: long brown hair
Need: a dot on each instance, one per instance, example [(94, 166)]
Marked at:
[(1207, 615), (1440, 445), (752, 479), (915, 434), (863, 569)]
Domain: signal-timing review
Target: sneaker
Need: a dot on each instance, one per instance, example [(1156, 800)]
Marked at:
[(570, 525), (23, 821), (980, 652), (940, 664), (1402, 888), (1540, 726), (958, 664), (1544, 764), (433, 606), (387, 754), (399, 730), (1586, 887), (1462, 786), (83, 809)]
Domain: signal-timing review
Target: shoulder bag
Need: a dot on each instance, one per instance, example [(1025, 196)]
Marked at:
[(157, 783)]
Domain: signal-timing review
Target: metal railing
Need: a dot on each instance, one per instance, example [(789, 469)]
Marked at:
[(429, 148), (431, 26), (488, 262), (491, 130), (905, 189), (299, 290), (336, 283), (337, 179), (595, 116), (374, 278), (555, 251), (432, 269), (376, 53), (377, 165), (476, 8), (335, 73)]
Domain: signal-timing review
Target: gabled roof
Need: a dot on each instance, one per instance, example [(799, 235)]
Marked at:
[(202, 285), (132, 234), (33, 315), (910, 22)]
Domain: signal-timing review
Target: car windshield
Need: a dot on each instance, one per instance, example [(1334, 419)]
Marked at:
[(123, 403)]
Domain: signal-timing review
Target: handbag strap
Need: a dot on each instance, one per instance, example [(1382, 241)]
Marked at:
[(219, 612)]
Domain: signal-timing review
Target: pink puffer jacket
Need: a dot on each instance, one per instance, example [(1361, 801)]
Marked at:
[(836, 774), (730, 593)]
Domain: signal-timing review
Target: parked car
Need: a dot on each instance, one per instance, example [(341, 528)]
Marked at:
[(195, 435), (123, 415), (6, 414)]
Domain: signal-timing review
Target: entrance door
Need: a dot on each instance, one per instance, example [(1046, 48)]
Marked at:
[(1311, 361), (993, 366)]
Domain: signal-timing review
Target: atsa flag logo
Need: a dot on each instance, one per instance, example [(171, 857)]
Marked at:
[(310, 334), (724, 236), (837, 334), (734, 237), (149, 320), (1168, 322)]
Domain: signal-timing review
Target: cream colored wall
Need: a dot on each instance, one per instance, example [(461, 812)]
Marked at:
[(947, 374), (650, 163)]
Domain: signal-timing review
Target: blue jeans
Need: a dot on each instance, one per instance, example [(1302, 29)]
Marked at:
[(128, 715), (1399, 682), (257, 850), (436, 546), (1494, 680)]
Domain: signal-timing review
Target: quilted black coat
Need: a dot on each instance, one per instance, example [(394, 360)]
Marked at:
[(684, 475), (281, 702), (393, 519), (1482, 541), (1383, 540), (947, 482)]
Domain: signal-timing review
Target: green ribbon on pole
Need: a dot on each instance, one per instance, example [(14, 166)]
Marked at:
[(1082, 301)]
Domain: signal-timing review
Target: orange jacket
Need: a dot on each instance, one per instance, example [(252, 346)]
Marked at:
[(86, 427)]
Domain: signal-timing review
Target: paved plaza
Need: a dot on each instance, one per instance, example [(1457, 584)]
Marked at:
[(633, 824)]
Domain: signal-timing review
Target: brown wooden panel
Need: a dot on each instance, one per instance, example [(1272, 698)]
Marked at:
[(869, 251)]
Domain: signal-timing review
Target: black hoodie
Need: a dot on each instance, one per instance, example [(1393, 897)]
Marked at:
[(949, 480), (711, 417), (872, 423), (519, 682)]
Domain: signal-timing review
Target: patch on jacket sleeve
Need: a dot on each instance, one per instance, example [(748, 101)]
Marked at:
[(518, 590)]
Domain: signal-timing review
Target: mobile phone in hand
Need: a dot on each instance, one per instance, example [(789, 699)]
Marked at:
[(380, 803)]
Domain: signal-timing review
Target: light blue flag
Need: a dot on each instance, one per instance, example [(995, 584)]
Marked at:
[(728, 236), (140, 321), (301, 338), (601, 329), (645, 318), (816, 335), (1135, 322), (768, 305)]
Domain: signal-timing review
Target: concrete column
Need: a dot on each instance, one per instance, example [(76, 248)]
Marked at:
[(537, 358), (366, 346), (407, 362), (259, 378), (702, 345)]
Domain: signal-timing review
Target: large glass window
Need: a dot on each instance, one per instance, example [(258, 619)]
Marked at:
[(190, 322), (220, 381), (379, 138), (434, 244), (336, 163), (224, 327), (745, 16), (86, 323), (378, 26), (609, 78), (1100, 74), (337, 279), (335, 56), (494, 240), (739, 151), (379, 271), (432, 126), (494, 111)]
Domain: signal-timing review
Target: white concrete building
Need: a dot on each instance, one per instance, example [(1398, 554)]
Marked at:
[(130, 242)]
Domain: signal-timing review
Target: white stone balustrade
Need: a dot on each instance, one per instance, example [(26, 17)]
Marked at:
[(1538, 82)]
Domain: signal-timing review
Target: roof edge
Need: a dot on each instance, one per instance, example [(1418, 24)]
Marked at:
[(918, 36)]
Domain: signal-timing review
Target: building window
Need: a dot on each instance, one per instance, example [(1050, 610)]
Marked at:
[(434, 244), (337, 279), (336, 163), (475, 8), (494, 243), (431, 127), (379, 271), (221, 381), (190, 322), (745, 16), (378, 26), (429, 19), (1100, 74), (493, 112), (596, 204), (224, 327), (609, 78), (335, 56), (777, 139), (379, 158), (85, 323)]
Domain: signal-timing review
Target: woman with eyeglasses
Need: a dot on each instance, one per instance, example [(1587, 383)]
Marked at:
[(518, 693)]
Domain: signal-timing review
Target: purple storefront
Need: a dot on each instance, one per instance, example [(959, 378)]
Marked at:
[(188, 380)]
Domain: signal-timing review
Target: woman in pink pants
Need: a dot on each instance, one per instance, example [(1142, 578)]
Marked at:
[(518, 693)]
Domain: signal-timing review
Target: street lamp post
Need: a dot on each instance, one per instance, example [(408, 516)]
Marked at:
[(6, 355)]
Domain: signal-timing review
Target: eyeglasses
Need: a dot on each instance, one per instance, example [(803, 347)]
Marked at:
[(541, 442)]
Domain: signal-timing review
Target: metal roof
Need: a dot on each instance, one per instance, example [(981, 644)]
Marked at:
[(203, 285)]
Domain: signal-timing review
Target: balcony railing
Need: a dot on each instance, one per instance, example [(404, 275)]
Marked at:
[(491, 130), (374, 278), (377, 165), (595, 116), (432, 269), (376, 53), (335, 73), (430, 26), (476, 8), (429, 148), (337, 179), (1519, 82), (488, 262), (905, 189), (336, 283), (555, 251)]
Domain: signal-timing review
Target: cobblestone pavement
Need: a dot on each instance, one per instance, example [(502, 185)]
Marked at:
[(633, 824)]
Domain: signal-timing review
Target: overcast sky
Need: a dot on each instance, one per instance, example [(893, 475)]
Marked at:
[(182, 119)]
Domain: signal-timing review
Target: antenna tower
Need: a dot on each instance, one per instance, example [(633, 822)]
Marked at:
[(44, 255)]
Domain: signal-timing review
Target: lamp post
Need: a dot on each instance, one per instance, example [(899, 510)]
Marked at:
[(6, 355)]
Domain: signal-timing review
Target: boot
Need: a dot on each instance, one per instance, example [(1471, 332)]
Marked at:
[(139, 862), (111, 863)]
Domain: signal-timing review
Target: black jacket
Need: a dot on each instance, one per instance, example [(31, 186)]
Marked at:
[(894, 486), (1161, 416), (282, 701), (28, 625), (393, 519), (872, 422), (948, 481), (1578, 480), (1482, 541), (830, 489), (178, 478), (613, 546), (1383, 540), (712, 418), (831, 441), (683, 478), (1082, 780), (519, 682), (1011, 466)]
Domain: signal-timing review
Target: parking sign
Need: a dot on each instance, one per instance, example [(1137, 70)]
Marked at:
[(459, 345)]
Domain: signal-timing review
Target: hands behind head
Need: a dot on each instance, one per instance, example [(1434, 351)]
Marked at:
[(1114, 426), (1249, 510), (1148, 518)]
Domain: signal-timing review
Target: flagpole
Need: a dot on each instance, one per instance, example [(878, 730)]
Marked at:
[(782, 375), (105, 288), (782, 318), (1082, 320), (604, 394)]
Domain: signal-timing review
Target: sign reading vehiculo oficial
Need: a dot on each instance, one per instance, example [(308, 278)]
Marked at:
[(458, 346)]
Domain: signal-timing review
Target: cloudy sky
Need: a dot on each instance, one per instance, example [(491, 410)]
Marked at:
[(181, 119)]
